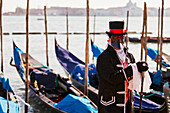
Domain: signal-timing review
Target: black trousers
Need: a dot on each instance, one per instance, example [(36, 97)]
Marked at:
[(128, 107)]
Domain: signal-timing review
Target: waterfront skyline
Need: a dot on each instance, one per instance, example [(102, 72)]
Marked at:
[(10, 5)]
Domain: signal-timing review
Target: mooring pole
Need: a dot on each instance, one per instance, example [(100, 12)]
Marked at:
[(27, 63), (67, 29), (158, 39), (87, 53), (144, 26), (161, 41), (146, 31), (2, 69), (1, 37), (46, 34), (127, 39), (94, 25)]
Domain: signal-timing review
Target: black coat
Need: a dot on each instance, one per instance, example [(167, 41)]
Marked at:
[(112, 80)]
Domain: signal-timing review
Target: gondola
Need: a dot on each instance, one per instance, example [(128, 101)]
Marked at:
[(10, 104), (150, 40), (52, 90), (69, 62)]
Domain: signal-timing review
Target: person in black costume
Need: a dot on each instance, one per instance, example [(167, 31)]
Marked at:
[(114, 71)]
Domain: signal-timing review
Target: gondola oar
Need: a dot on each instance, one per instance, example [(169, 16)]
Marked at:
[(27, 70)]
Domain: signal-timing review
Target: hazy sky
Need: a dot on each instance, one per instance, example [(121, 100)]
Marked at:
[(10, 5)]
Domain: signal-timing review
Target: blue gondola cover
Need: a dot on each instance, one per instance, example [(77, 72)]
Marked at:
[(5, 84), (96, 50), (157, 78), (17, 59), (13, 107), (75, 104), (45, 78), (67, 59), (152, 54), (79, 74)]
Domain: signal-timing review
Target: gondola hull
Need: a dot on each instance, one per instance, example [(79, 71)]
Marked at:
[(44, 101), (149, 40), (47, 91)]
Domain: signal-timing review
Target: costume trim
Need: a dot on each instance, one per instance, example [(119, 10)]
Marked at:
[(125, 74), (107, 103), (121, 92), (120, 105)]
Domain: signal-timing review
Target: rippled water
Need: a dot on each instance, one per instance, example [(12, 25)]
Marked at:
[(76, 43)]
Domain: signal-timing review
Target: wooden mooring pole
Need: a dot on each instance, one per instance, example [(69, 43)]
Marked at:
[(27, 63), (142, 42), (2, 69), (94, 25), (87, 53), (67, 29), (1, 37), (161, 41), (46, 34), (145, 41), (127, 22), (158, 39)]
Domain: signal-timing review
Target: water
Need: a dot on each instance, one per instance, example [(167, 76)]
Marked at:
[(76, 43)]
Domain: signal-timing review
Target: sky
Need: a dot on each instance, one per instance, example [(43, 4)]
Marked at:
[(10, 5)]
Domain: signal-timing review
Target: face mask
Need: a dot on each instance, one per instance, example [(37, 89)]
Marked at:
[(116, 40)]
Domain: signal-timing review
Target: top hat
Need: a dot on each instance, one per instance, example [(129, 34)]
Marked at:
[(116, 28)]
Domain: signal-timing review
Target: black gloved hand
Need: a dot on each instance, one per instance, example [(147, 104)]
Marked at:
[(142, 66)]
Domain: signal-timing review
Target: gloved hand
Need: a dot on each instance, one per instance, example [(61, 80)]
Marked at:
[(142, 66)]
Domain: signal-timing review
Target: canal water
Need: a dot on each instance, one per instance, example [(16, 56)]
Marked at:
[(12, 24)]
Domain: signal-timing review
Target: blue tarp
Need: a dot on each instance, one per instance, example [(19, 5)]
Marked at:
[(157, 78), (79, 74), (13, 107), (75, 66), (5, 83), (75, 104), (96, 50), (45, 78), (152, 54), (146, 104), (17, 59), (67, 59)]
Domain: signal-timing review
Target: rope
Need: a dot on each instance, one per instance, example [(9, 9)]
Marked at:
[(21, 100), (43, 67), (39, 64), (149, 95), (36, 64)]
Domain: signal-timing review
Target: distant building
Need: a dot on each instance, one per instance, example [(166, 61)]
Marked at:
[(133, 9), (115, 11)]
